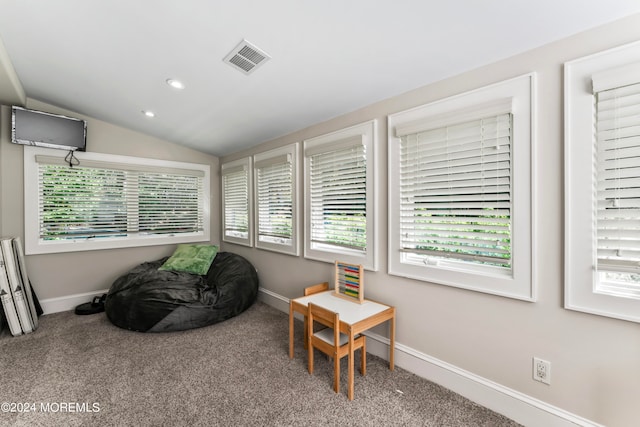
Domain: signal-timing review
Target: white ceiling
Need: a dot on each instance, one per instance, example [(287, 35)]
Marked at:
[(110, 59)]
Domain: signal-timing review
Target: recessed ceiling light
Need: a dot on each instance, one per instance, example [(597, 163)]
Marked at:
[(149, 113), (176, 84)]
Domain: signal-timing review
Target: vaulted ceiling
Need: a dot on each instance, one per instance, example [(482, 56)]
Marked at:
[(111, 59)]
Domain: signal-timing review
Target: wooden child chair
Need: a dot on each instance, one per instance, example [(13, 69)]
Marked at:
[(331, 342), (310, 290), (320, 287)]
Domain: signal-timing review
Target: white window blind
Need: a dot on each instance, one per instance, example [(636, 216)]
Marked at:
[(338, 196), (618, 182), (104, 200), (602, 183), (236, 201), (274, 178), (456, 196)]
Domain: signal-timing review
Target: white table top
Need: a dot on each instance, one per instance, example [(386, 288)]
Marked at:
[(350, 311)]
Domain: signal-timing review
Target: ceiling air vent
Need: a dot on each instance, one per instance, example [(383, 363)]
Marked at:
[(246, 57)]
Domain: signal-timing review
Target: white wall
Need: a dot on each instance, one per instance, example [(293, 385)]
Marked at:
[(595, 360), (59, 276)]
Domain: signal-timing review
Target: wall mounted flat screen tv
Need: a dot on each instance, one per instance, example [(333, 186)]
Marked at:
[(31, 127)]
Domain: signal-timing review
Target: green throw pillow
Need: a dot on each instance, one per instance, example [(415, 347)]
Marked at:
[(195, 259)]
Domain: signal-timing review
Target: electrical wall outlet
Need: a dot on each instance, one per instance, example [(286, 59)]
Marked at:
[(541, 370)]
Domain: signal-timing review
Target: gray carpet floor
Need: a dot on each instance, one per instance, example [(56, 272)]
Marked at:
[(235, 373)]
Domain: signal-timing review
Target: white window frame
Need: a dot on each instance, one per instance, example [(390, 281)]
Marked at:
[(580, 255), (244, 163), (368, 133), (35, 245), (517, 282), (291, 152)]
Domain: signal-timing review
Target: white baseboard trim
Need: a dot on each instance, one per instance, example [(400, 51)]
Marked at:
[(56, 305), (273, 299), (276, 301), (518, 406)]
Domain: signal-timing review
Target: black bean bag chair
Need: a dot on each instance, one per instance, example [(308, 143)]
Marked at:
[(150, 300)]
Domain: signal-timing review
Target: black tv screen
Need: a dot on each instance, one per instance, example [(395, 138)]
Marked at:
[(31, 127)]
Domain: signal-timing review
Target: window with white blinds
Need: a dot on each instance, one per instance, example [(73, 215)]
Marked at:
[(339, 196), (236, 189), (602, 183), (456, 192), (618, 187), (276, 200), (104, 200), (461, 190)]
